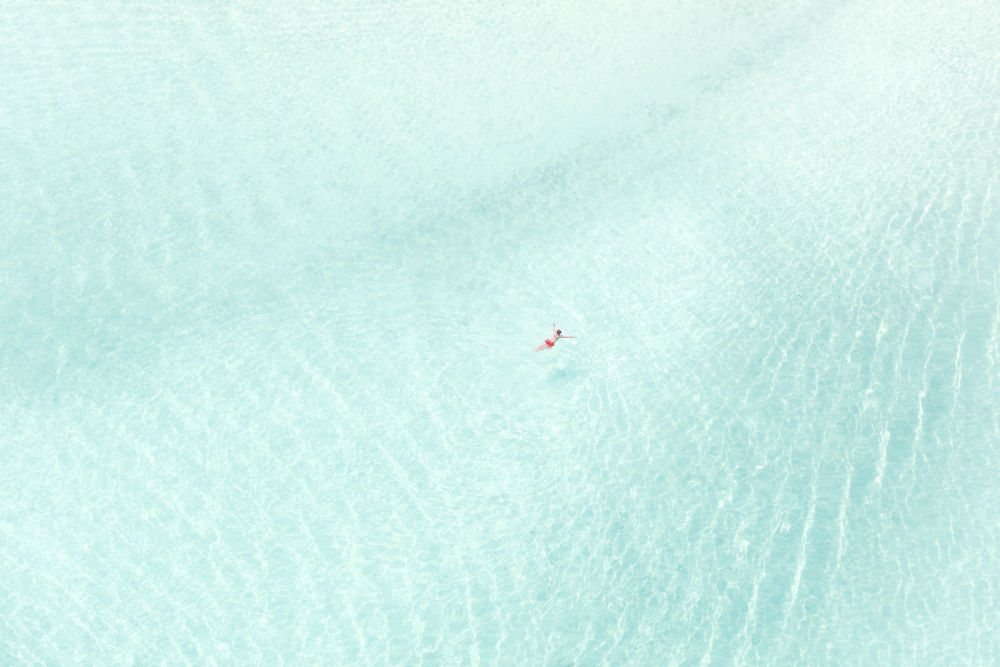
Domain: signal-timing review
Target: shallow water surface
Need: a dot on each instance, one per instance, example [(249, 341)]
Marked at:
[(272, 277)]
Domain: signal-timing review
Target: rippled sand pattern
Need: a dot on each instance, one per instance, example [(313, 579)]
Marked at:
[(272, 278)]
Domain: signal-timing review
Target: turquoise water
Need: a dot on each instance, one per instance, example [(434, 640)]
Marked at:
[(272, 276)]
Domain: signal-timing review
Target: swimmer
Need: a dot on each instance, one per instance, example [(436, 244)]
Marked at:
[(551, 342)]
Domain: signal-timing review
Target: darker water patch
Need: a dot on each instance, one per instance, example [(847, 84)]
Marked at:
[(567, 374)]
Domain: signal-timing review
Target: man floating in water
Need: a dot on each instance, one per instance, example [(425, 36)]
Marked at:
[(551, 342)]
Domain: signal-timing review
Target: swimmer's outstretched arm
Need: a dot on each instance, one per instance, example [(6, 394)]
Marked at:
[(556, 335)]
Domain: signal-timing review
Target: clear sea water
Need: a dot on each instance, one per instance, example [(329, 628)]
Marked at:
[(272, 274)]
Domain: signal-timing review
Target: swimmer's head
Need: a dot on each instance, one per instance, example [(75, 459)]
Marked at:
[(558, 331)]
